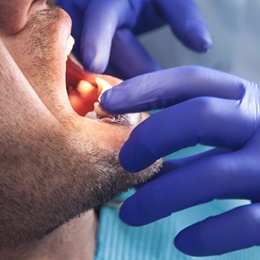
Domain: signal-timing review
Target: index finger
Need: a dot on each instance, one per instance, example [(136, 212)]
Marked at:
[(168, 87), (100, 23), (186, 22)]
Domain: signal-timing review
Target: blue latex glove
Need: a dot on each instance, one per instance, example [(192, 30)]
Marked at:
[(201, 106), (105, 31)]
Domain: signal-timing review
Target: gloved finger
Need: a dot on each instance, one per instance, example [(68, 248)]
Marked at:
[(173, 164), (233, 175), (233, 230), (186, 22), (81, 4), (148, 19), (77, 16), (101, 20), (168, 87), (208, 121), (128, 57)]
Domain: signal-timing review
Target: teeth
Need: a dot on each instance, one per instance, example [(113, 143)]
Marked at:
[(70, 44), (100, 112), (102, 86), (91, 115), (85, 88)]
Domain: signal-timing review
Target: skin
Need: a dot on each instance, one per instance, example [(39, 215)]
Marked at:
[(55, 166)]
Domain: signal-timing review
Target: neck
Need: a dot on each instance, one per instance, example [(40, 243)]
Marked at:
[(75, 240)]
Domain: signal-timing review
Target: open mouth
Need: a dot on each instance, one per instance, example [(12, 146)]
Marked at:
[(85, 88)]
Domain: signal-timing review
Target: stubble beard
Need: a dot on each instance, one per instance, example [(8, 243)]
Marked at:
[(59, 176)]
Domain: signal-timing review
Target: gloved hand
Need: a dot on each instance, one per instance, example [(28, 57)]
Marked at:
[(201, 106), (106, 30)]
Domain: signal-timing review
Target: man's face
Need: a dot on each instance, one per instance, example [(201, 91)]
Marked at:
[(53, 150)]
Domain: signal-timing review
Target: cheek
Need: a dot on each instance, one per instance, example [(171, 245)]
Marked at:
[(13, 16)]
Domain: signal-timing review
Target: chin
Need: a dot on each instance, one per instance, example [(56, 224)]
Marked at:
[(85, 147), (63, 161), (103, 133), (84, 90)]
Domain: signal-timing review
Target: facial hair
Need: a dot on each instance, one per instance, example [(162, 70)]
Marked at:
[(50, 173)]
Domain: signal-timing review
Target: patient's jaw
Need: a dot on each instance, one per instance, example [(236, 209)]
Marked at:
[(55, 164)]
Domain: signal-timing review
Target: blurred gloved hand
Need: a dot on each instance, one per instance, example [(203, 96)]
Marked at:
[(201, 106), (105, 31)]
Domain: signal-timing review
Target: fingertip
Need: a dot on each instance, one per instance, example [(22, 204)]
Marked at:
[(134, 213), (94, 61), (127, 158), (128, 213), (108, 103), (183, 244), (198, 37), (193, 245), (208, 237), (203, 43), (133, 157), (104, 100), (95, 54), (188, 25)]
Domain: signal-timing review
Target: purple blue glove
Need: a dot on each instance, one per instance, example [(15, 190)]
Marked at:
[(200, 106), (105, 31)]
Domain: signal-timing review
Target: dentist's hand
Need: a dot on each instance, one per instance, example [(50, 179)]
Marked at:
[(201, 106), (105, 31)]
